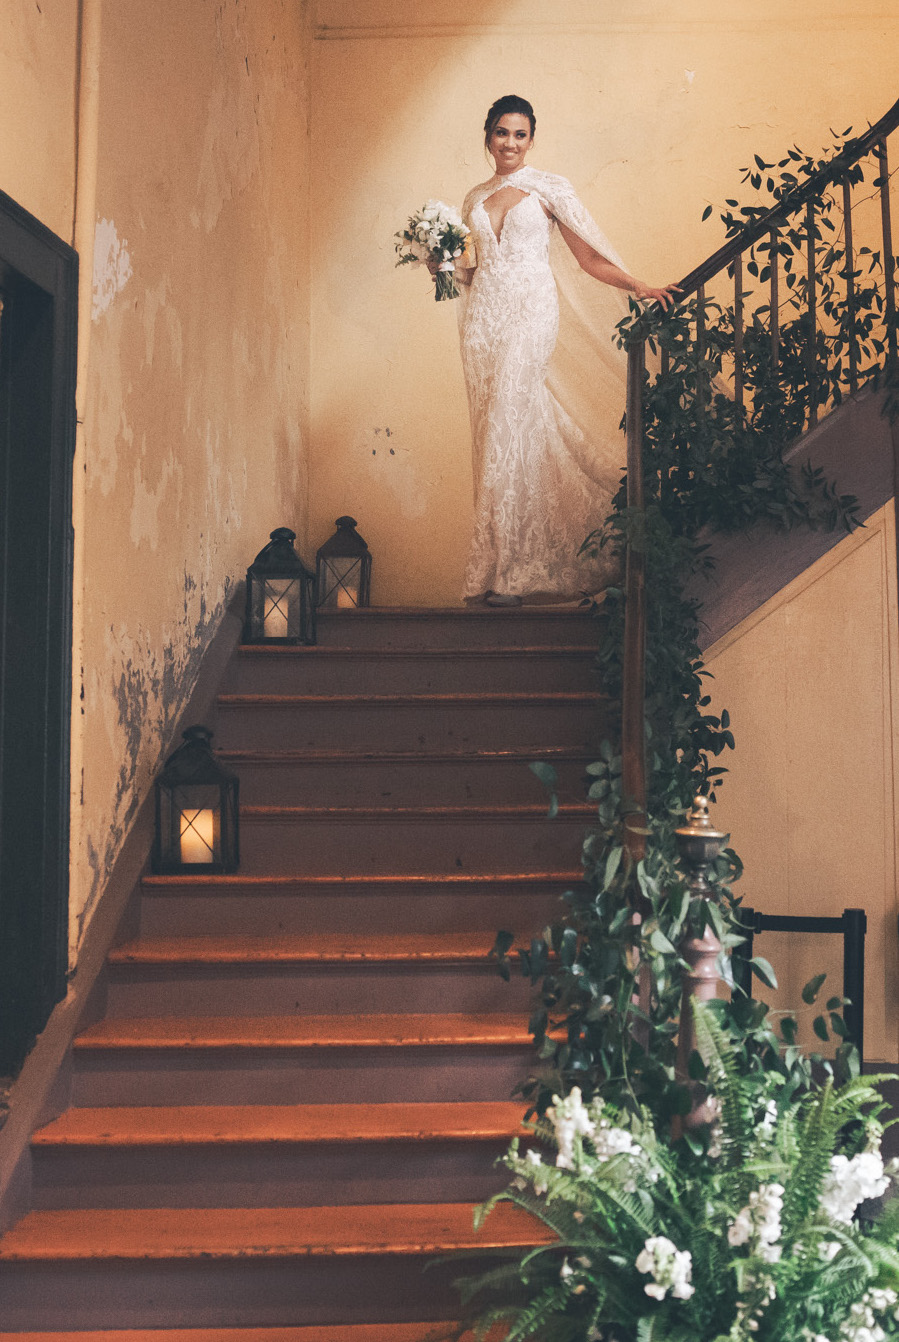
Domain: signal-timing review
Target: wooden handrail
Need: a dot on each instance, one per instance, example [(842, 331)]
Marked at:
[(795, 200), (768, 224)]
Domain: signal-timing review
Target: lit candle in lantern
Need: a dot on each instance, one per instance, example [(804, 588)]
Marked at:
[(197, 836), (274, 616), (344, 599)]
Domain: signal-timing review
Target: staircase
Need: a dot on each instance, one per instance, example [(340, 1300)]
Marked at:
[(300, 1077)]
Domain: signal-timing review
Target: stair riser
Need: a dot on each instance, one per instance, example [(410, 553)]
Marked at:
[(373, 782), (230, 1293), (391, 845), (273, 1176), (462, 629), (291, 1076), (331, 990), (415, 727), (318, 673), (418, 909)]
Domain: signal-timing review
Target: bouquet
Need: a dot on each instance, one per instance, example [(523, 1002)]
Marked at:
[(746, 1232), (436, 233)]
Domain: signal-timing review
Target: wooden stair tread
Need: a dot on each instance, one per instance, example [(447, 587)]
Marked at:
[(268, 1232), (499, 651), (231, 1125), (523, 811), (376, 880), (305, 1032), (355, 757), (318, 948), (462, 698), (338, 1332)]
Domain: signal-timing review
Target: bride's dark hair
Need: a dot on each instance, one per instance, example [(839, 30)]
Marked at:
[(510, 102)]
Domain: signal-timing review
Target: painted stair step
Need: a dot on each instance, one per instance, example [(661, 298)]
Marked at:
[(257, 1155), (303, 905), (425, 722), (201, 1267), (311, 1033), (461, 948), (293, 1125), (403, 778), (330, 974), (324, 670), (455, 626), (300, 1059), (341, 1332), (168, 1233), (438, 838)]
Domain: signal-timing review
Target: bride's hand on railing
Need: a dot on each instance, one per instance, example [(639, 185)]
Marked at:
[(666, 295)]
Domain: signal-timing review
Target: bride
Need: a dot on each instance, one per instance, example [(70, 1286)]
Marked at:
[(541, 485)]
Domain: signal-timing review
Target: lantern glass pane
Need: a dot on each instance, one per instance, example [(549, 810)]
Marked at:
[(339, 581), (276, 608), (196, 824)]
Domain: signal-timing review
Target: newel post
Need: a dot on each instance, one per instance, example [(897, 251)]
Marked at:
[(698, 843)]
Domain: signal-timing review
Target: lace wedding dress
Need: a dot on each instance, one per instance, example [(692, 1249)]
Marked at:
[(542, 480)]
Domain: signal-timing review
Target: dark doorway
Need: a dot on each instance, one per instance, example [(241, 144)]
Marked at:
[(38, 293)]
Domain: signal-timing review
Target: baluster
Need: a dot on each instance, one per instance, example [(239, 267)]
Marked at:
[(850, 287), (888, 258), (698, 844), (633, 734), (812, 299), (738, 332), (774, 254), (701, 387)]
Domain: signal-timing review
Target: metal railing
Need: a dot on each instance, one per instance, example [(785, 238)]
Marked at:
[(813, 341), (852, 926)]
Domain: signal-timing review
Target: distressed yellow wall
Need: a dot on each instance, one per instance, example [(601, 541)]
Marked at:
[(651, 109), (195, 435), (810, 682)]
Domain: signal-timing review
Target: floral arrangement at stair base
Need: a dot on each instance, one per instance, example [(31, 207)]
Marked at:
[(743, 1232)]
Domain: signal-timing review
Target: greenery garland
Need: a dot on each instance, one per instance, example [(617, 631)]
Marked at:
[(709, 466)]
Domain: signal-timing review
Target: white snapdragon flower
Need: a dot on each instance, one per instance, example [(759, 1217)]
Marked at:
[(828, 1250), (534, 1159), (671, 1268), (862, 1324), (758, 1223), (851, 1181), (571, 1120)]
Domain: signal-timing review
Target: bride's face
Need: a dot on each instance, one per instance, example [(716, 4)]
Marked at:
[(509, 141)]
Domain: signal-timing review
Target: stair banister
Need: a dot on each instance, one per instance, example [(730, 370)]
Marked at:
[(729, 256)]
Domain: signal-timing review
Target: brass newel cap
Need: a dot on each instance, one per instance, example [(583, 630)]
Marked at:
[(699, 823)]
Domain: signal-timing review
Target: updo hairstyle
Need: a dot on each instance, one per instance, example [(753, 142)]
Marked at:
[(502, 107)]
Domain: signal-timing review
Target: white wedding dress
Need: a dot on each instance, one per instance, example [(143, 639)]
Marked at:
[(542, 479)]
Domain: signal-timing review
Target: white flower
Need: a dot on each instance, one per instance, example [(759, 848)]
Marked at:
[(828, 1250), (758, 1223), (671, 1268), (534, 1159), (850, 1182), (570, 1120)]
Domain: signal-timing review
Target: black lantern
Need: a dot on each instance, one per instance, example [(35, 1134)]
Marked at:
[(196, 810), (280, 605), (343, 569)]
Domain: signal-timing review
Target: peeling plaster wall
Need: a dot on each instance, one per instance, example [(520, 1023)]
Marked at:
[(196, 413), (38, 70), (196, 408), (651, 109)]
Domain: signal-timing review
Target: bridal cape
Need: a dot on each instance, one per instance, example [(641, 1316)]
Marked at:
[(546, 390)]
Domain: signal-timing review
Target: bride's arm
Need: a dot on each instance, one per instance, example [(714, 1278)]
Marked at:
[(590, 260)]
